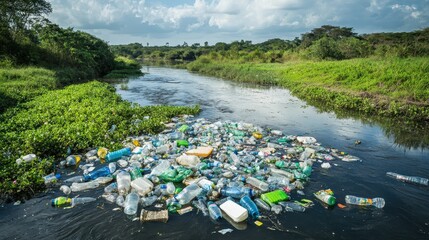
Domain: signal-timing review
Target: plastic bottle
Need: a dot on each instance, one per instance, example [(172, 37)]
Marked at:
[(214, 211), (188, 193), (236, 192), (275, 171), (131, 203), (257, 183), (376, 202), (135, 173), (201, 205), (111, 188), (123, 180), (326, 196), (262, 204), (51, 178), (101, 172), (251, 207), (120, 201), (75, 179), (65, 201), (76, 187), (65, 189), (147, 201), (73, 160), (408, 179), (292, 207), (167, 189), (26, 159), (278, 180), (274, 197), (112, 167), (161, 167), (116, 155)]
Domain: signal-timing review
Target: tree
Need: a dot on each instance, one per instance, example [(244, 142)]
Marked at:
[(19, 14), (329, 31), (206, 44)]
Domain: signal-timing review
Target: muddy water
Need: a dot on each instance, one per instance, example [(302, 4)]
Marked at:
[(385, 147)]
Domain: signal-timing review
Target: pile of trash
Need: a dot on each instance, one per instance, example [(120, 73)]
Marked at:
[(226, 170)]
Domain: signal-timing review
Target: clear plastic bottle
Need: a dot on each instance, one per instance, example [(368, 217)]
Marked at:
[(76, 187), (165, 189), (123, 180), (214, 211), (131, 203), (326, 196), (257, 183), (148, 201), (251, 207), (73, 160), (161, 167), (101, 172), (116, 155), (111, 188), (188, 193), (292, 207), (278, 180), (65, 189), (201, 205), (262, 204), (75, 179), (135, 173), (120, 201), (408, 179), (376, 202)]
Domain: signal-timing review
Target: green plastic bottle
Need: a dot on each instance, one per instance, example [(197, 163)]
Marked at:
[(326, 196), (183, 143), (61, 201), (274, 196)]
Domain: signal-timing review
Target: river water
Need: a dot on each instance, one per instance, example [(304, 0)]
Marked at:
[(385, 146)]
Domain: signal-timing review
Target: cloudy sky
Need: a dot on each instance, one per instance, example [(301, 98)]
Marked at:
[(195, 21)]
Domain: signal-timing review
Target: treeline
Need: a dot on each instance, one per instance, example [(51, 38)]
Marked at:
[(324, 43), (28, 38)]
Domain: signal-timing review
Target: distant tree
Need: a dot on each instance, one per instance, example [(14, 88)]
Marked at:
[(329, 31), (167, 44), (185, 44), (206, 44)]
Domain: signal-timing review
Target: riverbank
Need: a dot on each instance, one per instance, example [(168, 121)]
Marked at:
[(389, 87), (41, 117)]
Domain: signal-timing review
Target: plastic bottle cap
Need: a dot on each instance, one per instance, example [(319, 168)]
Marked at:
[(53, 202), (58, 176)]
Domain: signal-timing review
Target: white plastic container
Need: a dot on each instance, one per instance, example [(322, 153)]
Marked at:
[(188, 160), (236, 212), (142, 185)]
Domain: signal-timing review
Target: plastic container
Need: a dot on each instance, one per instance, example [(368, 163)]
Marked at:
[(326, 196), (101, 172), (135, 173), (51, 178), (274, 197), (376, 202), (408, 179), (76, 187), (162, 166), (65, 189), (188, 160), (131, 203), (236, 212), (251, 207), (116, 155), (214, 211), (123, 180), (142, 185), (188, 193), (257, 183)]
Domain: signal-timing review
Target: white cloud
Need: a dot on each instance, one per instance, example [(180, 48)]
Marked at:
[(256, 19)]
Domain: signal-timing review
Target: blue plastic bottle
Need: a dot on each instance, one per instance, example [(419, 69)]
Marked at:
[(101, 172), (251, 207), (236, 192), (214, 211), (116, 155)]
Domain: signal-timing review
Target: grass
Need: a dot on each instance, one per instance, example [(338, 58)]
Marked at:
[(124, 67), (385, 87), (47, 122)]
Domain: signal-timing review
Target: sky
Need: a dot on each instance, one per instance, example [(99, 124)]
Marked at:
[(158, 22)]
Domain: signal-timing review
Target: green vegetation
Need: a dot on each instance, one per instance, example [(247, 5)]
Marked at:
[(124, 67), (79, 118), (391, 87)]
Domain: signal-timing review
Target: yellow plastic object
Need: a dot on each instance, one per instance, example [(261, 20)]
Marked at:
[(102, 152), (257, 135), (200, 151), (136, 143), (258, 223)]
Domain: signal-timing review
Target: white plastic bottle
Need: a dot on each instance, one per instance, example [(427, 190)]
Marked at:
[(76, 187), (161, 167), (188, 193)]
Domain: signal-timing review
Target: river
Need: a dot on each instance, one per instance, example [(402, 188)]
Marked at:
[(384, 147)]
